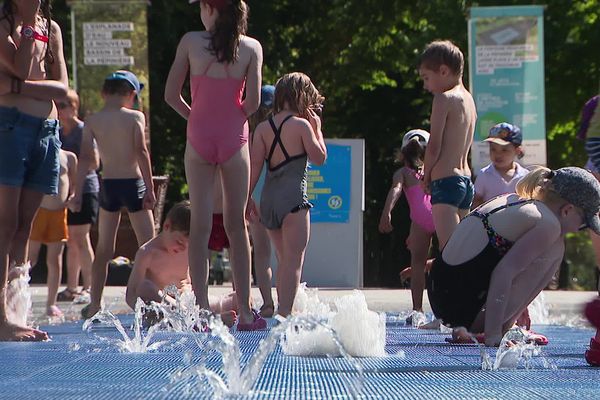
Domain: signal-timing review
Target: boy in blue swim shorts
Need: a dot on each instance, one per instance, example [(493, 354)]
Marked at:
[(447, 175)]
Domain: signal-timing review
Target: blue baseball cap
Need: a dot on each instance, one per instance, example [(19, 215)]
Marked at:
[(129, 77), (505, 133), (267, 96)]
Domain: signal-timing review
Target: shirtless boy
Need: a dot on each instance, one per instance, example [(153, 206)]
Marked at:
[(163, 261), (453, 116), (50, 228), (126, 173)]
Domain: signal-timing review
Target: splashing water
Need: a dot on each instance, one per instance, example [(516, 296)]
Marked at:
[(538, 311), (360, 331), (140, 343), (240, 381), (18, 295)]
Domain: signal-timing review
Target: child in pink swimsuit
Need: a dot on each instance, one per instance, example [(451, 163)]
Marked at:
[(409, 178), (221, 61)]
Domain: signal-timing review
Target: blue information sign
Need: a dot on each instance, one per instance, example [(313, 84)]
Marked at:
[(329, 186)]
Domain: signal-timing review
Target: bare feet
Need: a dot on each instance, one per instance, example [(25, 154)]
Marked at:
[(228, 318), (267, 310), (12, 332), (54, 311), (89, 311)]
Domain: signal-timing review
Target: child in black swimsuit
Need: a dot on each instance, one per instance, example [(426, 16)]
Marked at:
[(505, 252)]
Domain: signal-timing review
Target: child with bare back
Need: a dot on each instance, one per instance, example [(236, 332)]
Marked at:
[(163, 261), (447, 175), (33, 64), (222, 64), (50, 228), (285, 143), (119, 131)]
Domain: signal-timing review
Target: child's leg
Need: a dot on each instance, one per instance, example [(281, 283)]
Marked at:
[(9, 219), (420, 240), (295, 233), (80, 256), (200, 176), (108, 223), (54, 263), (445, 218), (276, 237), (596, 246), (29, 202), (235, 175), (143, 225), (34, 252), (262, 258)]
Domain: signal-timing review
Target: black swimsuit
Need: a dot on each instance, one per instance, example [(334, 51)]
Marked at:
[(457, 293)]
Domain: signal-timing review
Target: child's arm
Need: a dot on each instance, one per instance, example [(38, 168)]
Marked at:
[(479, 191), (41, 90), (176, 79), (439, 113), (385, 222), (86, 159), (258, 153), (71, 173), (530, 247), (143, 159), (253, 80), (312, 139), (58, 68), (18, 60), (143, 257)]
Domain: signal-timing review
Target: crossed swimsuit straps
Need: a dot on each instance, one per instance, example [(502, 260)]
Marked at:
[(499, 243)]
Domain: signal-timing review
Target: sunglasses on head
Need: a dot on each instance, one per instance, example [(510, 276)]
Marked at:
[(62, 105)]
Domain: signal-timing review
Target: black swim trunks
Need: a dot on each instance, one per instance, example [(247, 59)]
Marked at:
[(118, 193)]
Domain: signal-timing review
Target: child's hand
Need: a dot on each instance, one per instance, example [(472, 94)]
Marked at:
[(426, 184), (252, 213), (314, 120), (74, 204), (385, 224), (149, 200), (29, 10)]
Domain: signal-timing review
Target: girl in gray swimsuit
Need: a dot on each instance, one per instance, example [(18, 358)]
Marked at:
[(284, 191), (287, 141)]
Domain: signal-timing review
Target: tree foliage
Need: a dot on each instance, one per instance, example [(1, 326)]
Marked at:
[(361, 55)]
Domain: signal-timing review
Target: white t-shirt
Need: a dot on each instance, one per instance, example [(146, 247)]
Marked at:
[(490, 183)]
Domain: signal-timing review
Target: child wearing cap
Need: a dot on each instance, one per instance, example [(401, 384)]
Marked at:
[(503, 173), (409, 179), (501, 256), (119, 132)]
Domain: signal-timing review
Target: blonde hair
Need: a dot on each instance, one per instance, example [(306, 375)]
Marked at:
[(537, 185), (297, 90)]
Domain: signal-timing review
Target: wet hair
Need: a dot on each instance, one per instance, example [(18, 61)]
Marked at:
[(179, 217), (297, 90), (8, 12), (230, 25), (442, 52), (259, 116), (414, 154), (118, 87), (537, 185)]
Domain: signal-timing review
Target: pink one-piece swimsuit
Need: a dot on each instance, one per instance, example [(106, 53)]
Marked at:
[(217, 126), (419, 204)]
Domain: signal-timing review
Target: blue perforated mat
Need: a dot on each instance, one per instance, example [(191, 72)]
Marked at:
[(419, 365)]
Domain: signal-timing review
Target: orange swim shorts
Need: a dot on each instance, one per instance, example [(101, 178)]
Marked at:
[(50, 226)]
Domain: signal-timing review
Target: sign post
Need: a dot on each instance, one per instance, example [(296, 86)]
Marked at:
[(506, 69)]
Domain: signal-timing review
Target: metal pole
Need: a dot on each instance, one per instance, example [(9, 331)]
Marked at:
[(73, 49)]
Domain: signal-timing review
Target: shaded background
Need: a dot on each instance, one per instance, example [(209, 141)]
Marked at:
[(361, 55)]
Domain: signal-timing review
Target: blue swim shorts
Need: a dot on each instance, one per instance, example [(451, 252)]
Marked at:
[(457, 191), (29, 149)]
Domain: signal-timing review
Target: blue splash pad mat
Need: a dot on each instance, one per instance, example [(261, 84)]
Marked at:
[(419, 365)]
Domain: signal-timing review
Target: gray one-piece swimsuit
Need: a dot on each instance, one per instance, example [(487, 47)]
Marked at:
[(284, 191)]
